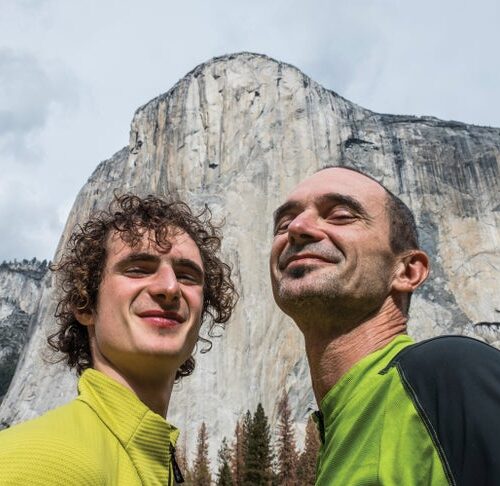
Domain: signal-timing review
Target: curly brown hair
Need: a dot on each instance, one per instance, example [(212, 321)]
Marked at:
[(79, 271)]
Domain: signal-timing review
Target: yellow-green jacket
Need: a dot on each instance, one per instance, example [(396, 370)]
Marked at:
[(425, 414), (106, 436)]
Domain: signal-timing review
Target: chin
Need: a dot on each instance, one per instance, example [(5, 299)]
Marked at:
[(303, 287), (160, 350), (300, 295)]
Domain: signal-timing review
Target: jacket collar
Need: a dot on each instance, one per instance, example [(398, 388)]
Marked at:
[(146, 436)]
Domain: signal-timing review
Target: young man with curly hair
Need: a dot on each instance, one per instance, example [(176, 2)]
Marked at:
[(135, 284)]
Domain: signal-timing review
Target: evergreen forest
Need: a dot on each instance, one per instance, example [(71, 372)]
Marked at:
[(253, 456)]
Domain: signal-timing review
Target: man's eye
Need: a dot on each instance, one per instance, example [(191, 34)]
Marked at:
[(137, 271), (187, 278), (341, 217), (282, 226)]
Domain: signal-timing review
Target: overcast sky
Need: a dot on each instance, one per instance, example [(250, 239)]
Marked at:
[(72, 74)]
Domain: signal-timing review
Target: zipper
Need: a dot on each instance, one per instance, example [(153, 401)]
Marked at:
[(179, 478)]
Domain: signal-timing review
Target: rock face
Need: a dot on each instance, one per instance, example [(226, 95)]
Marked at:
[(237, 133), (20, 290)]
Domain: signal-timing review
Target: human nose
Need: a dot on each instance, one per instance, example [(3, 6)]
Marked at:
[(304, 228), (165, 285)]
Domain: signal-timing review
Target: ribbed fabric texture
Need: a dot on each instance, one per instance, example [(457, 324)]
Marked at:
[(373, 434), (106, 436)]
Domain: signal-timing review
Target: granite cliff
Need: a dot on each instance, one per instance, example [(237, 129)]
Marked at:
[(237, 133), (20, 290)]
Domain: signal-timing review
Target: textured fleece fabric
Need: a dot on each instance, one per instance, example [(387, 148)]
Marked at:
[(414, 414), (106, 436)]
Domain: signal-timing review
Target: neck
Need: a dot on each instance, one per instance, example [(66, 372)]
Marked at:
[(151, 389), (332, 351)]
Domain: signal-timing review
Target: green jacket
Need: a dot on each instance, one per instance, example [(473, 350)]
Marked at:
[(414, 414), (106, 436)]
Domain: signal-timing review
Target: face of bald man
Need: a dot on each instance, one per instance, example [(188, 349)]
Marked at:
[(331, 243)]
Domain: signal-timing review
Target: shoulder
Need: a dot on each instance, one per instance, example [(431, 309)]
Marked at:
[(445, 346), (458, 356), (452, 367), (47, 450), (452, 378)]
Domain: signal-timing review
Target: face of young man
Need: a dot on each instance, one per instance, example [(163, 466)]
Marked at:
[(331, 245), (149, 305)]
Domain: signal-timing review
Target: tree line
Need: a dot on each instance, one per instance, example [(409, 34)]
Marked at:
[(253, 458)]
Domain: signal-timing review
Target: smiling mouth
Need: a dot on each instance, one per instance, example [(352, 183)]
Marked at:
[(162, 319), (304, 259)]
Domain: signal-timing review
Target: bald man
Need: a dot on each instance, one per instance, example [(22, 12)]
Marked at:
[(345, 261)]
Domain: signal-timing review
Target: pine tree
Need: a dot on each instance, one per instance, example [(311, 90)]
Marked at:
[(224, 476), (306, 471), (287, 450), (201, 467), (259, 457), (240, 446)]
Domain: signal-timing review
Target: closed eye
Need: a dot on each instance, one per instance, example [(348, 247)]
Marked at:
[(137, 271), (281, 226), (341, 216), (187, 278)]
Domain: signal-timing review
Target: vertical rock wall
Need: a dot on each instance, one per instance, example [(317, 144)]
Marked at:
[(20, 290)]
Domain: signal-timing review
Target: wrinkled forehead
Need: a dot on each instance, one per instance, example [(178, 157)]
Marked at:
[(340, 181)]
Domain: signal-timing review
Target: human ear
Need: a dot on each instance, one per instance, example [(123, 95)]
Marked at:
[(411, 271), (85, 318)]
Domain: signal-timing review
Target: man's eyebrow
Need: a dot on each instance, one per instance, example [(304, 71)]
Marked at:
[(138, 257)]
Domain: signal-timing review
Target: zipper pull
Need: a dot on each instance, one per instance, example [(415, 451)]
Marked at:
[(179, 478)]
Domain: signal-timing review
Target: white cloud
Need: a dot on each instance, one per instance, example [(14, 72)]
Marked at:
[(28, 222), (433, 59), (28, 94)]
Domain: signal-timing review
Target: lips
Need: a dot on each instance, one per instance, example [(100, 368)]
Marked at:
[(303, 257), (162, 319)]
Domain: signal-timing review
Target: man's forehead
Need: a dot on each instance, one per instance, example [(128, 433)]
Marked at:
[(341, 181), (160, 241)]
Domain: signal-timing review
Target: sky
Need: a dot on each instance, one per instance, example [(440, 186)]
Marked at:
[(72, 73)]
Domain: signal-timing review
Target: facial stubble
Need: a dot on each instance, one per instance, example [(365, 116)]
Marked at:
[(307, 292)]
